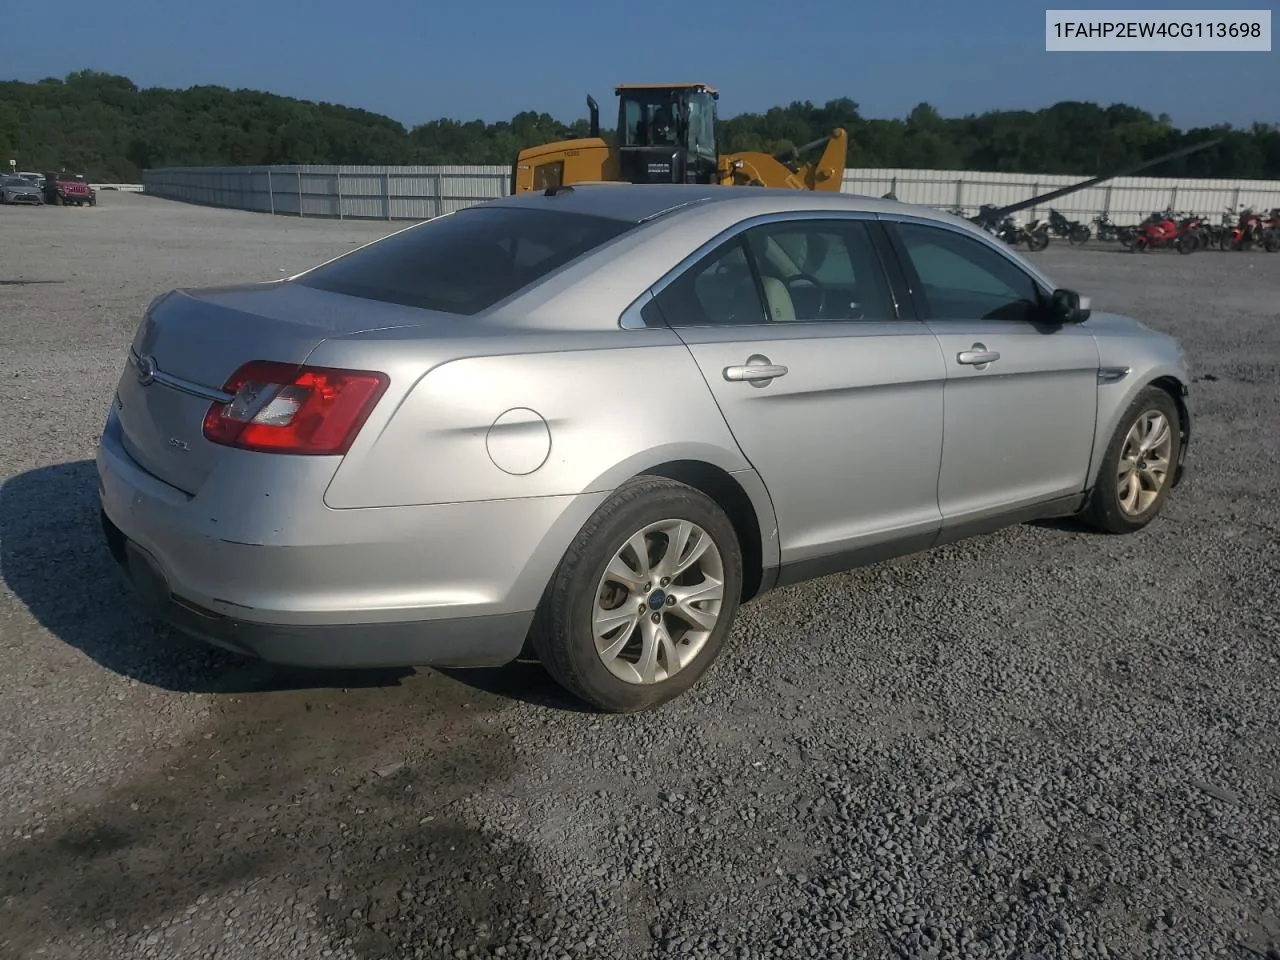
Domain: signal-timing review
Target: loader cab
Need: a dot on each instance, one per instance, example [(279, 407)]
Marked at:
[(667, 133)]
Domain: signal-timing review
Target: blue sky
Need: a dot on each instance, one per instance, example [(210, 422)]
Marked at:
[(420, 61)]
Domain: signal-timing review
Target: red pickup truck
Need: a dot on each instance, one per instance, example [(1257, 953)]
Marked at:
[(64, 189)]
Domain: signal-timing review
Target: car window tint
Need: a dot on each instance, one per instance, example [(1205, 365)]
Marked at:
[(814, 270), (719, 290), (467, 261), (963, 279)]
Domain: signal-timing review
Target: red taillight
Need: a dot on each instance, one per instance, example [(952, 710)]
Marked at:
[(283, 408)]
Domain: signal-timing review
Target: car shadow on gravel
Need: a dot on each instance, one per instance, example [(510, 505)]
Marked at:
[(54, 559), (1065, 525), (525, 680), (342, 813)]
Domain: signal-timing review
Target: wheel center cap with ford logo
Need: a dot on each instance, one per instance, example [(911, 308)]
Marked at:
[(657, 600)]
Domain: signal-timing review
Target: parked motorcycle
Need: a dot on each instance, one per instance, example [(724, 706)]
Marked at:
[(1035, 234), (1213, 232), (1245, 234), (1129, 235), (1271, 233), (1073, 230), (1155, 234), (1104, 228), (1193, 223)]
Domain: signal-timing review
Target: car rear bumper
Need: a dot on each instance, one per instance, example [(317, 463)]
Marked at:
[(459, 642), (450, 585)]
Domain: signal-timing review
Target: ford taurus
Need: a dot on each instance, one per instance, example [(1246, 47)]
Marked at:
[(590, 423)]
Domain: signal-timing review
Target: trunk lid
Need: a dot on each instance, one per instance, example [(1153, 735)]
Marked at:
[(194, 340)]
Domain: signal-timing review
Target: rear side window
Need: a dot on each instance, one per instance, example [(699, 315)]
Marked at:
[(467, 261)]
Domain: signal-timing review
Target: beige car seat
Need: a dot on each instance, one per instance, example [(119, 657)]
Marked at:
[(778, 263), (781, 306)]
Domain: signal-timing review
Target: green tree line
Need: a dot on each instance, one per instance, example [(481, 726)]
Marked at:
[(106, 127)]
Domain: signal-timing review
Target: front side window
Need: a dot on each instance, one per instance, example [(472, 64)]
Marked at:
[(963, 279), (632, 113), (821, 270), (467, 261), (702, 124)]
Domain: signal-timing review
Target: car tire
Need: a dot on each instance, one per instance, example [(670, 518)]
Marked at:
[(1115, 506), (609, 673)]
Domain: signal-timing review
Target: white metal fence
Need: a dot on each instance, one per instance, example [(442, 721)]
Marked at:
[(417, 193), (1124, 198), (382, 193)]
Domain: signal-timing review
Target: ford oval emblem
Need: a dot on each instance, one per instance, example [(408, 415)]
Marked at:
[(146, 370)]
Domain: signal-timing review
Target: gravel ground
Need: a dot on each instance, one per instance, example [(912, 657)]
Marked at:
[(1036, 744)]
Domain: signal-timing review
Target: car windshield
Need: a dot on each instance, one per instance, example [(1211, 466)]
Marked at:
[(466, 261), (14, 182)]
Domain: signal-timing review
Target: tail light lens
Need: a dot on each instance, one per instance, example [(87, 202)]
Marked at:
[(283, 408)]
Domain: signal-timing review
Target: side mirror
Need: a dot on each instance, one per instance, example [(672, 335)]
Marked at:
[(1067, 306)]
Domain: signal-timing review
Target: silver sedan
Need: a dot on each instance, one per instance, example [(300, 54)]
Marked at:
[(590, 423), (15, 189)]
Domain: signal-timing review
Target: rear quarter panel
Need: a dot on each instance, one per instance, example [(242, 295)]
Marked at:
[(533, 415)]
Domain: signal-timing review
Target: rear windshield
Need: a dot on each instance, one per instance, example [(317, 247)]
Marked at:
[(467, 261)]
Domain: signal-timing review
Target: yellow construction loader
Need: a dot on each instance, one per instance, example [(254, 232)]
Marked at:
[(666, 133)]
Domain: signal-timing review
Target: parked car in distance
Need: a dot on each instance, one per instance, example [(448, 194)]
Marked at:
[(591, 423), (15, 189), (36, 178), (65, 189)]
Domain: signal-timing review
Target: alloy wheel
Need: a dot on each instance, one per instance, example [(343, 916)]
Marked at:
[(1144, 462), (658, 601)]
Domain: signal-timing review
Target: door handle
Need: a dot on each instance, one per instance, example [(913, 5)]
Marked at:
[(977, 355), (756, 371)]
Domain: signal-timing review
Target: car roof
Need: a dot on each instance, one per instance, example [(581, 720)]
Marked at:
[(638, 203)]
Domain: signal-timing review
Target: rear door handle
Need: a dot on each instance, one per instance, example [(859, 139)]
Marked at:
[(977, 355), (755, 369)]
